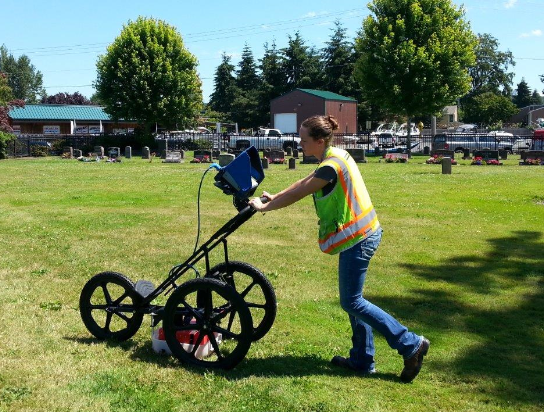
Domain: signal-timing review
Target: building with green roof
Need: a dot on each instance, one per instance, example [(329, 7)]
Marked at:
[(287, 112), (63, 119)]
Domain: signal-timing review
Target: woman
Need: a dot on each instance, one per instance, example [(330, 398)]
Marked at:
[(348, 226)]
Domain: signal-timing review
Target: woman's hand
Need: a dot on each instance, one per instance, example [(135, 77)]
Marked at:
[(257, 204)]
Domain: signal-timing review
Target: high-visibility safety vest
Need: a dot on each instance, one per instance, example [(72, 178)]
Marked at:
[(346, 214)]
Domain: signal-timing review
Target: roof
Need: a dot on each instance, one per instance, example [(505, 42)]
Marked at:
[(58, 112), (327, 95)]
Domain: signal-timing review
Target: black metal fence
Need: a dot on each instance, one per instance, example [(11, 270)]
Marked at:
[(39, 145)]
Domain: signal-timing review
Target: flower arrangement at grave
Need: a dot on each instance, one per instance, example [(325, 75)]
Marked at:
[(201, 159), (479, 161), (535, 162), (389, 158), (437, 159)]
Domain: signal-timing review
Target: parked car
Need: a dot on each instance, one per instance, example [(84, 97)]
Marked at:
[(387, 140), (460, 142), (264, 139)]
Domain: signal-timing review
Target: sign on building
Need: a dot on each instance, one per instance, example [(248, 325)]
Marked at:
[(81, 130), (51, 129)]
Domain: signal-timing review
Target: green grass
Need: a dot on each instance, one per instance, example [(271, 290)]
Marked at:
[(462, 262)]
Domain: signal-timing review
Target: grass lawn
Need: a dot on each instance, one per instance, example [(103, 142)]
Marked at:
[(461, 261)]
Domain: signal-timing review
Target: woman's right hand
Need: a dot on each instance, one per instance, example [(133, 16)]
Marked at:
[(268, 196)]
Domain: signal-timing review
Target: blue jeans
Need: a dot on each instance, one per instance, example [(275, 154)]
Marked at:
[(363, 315)]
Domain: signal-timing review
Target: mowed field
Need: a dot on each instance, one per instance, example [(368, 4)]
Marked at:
[(461, 262)]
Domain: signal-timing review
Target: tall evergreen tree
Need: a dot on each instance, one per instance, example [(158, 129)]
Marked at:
[(338, 62), (301, 65), (523, 96), (536, 98), (246, 76), (273, 83), (224, 86), (24, 80)]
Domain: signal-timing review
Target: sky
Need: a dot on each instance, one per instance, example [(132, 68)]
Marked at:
[(63, 39)]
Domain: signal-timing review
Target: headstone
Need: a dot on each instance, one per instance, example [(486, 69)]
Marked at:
[(264, 162), (163, 147), (446, 166), (77, 153), (444, 153), (114, 152), (68, 152), (145, 153), (466, 154), (295, 153), (487, 154), (203, 155), (98, 151), (266, 152), (276, 156), (172, 156), (309, 159), (128, 152), (292, 163), (357, 154), (289, 151), (182, 154), (426, 150), (215, 154), (225, 159), (503, 154)]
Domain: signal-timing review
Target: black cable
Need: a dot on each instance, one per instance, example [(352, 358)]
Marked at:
[(198, 208)]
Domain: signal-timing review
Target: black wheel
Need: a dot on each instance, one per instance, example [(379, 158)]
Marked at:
[(220, 324), (108, 304), (254, 288)]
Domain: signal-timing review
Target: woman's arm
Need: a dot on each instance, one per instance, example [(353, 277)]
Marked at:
[(298, 190)]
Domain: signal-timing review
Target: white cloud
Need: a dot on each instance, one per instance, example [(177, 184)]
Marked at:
[(533, 33), (510, 3), (310, 14)]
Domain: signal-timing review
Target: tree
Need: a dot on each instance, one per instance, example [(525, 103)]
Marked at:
[(414, 56), (24, 80), (224, 86), (490, 71), (149, 76), (5, 105), (67, 98), (536, 98), (489, 108), (244, 108), (301, 64), (522, 96), (273, 82), (338, 62)]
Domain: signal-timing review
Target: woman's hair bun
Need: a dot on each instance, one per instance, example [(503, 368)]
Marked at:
[(333, 122)]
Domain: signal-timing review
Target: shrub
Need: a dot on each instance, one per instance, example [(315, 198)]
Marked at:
[(39, 151), (5, 138)]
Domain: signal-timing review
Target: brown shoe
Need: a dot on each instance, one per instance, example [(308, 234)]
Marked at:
[(412, 365)]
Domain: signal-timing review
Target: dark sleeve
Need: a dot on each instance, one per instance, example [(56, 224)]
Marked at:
[(326, 173)]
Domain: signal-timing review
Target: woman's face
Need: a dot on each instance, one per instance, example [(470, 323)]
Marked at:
[(310, 146)]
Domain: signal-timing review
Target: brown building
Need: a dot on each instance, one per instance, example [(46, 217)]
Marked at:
[(287, 112)]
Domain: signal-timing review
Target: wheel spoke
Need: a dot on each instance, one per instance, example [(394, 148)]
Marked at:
[(211, 336), (225, 332), (197, 343), (121, 298), (246, 290), (92, 307), (123, 316), (256, 305), (191, 309), (208, 304), (224, 312), (231, 319), (108, 321), (106, 293)]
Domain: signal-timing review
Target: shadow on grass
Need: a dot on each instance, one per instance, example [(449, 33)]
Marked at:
[(508, 347)]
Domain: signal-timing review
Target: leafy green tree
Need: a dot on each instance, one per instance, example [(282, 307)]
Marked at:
[(246, 76), (149, 76), (414, 56), (6, 93), (523, 95), (301, 64), (24, 80), (490, 71), (224, 86), (489, 108)]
